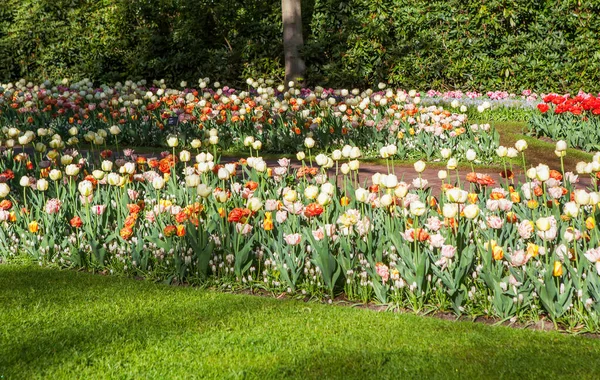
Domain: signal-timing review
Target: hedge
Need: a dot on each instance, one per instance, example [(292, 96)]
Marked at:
[(451, 44)]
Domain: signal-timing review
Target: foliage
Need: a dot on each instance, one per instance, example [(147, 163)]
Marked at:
[(65, 324), (542, 45)]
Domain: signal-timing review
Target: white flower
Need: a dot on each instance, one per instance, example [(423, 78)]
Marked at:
[(172, 141), (561, 146), (420, 166), (450, 210), (42, 184), (107, 165), (571, 209), (417, 208), (72, 170), (192, 180), (55, 174), (24, 181), (542, 172), (4, 190), (471, 211), (85, 188), (471, 155), (582, 197), (311, 192), (309, 142), (157, 183), (185, 156), (502, 151), (452, 164), (521, 145), (114, 130)]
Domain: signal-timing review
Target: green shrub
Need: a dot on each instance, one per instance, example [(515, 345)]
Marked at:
[(482, 45)]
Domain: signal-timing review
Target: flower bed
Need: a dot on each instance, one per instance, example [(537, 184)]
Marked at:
[(513, 250), (571, 118), (144, 115)]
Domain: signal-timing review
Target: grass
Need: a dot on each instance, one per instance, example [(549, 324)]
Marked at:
[(538, 151), (66, 324)]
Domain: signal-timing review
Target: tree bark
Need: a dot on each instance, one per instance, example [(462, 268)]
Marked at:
[(292, 39)]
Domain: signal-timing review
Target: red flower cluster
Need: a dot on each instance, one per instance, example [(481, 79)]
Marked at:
[(575, 105)]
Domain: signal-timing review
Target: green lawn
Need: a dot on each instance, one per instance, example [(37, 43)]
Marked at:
[(65, 324)]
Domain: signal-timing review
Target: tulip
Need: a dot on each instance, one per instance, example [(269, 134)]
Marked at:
[(114, 179), (345, 168), (452, 164), (521, 145), (257, 145), (157, 183), (85, 188), (192, 180), (55, 174), (309, 142), (542, 172), (471, 211), (311, 192), (361, 194), (107, 165), (420, 166), (557, 269), (386, 200), (66, 159), (336, 155), (300, 156), (72, 170), (582, 197), (328, 188), (98, 174), (457, 195), (471, 155), (450, 210), (254, 204), (417, 208), (202, 190), (42, 184), (571, 209), (185, 156), (354, 165), (223, 174), (561, 146), (290, 196), (260, 166), (502, 151), (114, 130), (172, 141), (543, 224), (4, 190), (323, 199), (196, 143)]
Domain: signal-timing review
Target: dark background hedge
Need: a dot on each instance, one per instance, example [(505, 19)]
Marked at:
[(467, 44)]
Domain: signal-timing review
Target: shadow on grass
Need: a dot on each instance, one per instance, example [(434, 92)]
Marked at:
[(65, 322), (94, 313)]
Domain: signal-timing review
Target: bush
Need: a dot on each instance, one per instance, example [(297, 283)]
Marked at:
[(541, 45)]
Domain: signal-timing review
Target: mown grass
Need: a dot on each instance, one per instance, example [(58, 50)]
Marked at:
[(66, 324), (538, 151)]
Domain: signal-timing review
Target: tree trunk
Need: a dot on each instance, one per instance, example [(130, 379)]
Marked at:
[(292, 39)]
